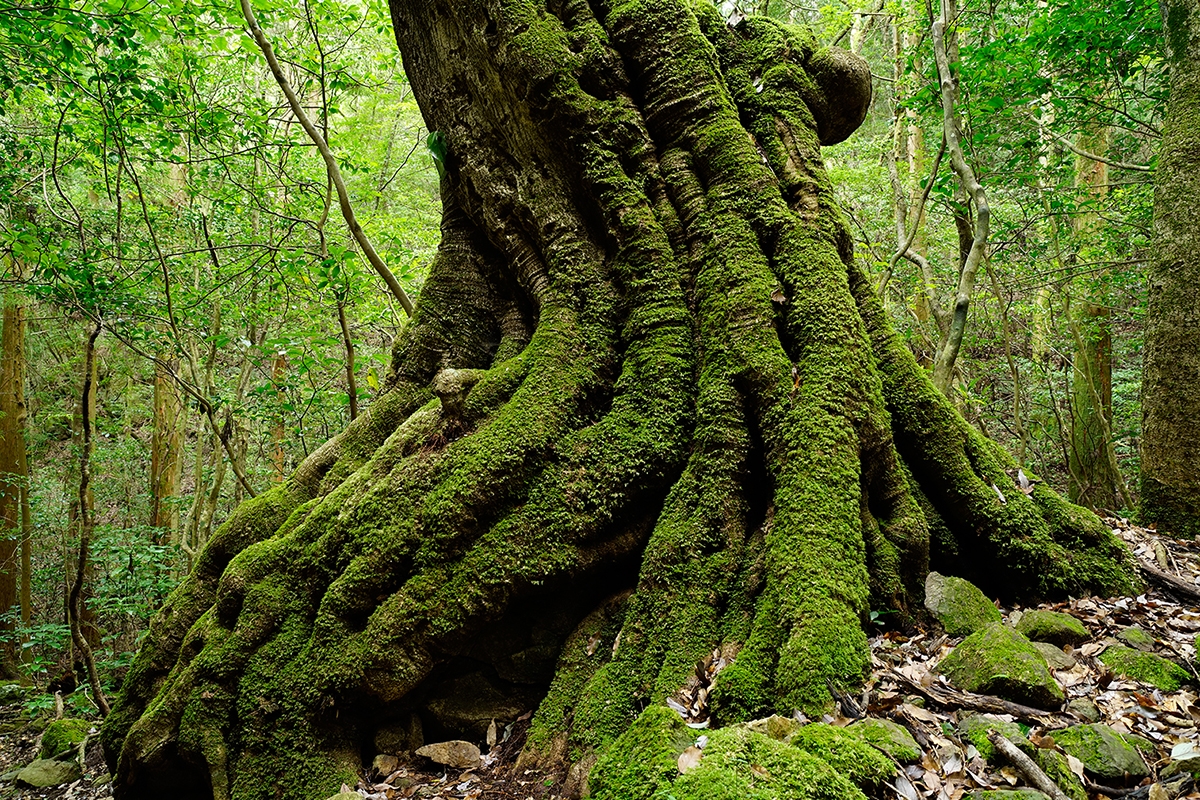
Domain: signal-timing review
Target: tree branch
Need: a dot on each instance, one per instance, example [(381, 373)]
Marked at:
[(335, 174)]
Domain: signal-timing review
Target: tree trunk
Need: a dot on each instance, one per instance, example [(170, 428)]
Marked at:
[(166, 451), (14, 476), (1170, 481), (646, 408)]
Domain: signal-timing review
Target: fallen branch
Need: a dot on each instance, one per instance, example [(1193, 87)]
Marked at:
[(952, 698), (1025, 765), (1172, 582)]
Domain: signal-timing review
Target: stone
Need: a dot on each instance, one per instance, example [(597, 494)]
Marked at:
[(457, 754), (49, 772), (999, 661), (1053, 627), (1058, 769), (1084, 709), (63, 734), (974, 728), (892, 739), (403, 735), (1138, 639), (464, 706), (385, 764), (958, 604), (774, 727), (1146, 667), (1054, 655), (13, 692), (1106, 755)]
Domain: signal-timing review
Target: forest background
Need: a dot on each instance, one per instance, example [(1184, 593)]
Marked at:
[(187, 315)]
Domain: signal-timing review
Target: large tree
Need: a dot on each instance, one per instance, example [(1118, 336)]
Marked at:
[(647, 408), (1170, 478)]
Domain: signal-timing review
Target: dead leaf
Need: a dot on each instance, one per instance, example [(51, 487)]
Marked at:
[(689, 759)]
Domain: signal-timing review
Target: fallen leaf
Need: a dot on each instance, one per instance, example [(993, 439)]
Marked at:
[(689, 759)]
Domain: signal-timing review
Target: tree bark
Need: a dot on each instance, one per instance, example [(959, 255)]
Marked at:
[(1170, 482), (166, 451), (646, 408), (14, 476)]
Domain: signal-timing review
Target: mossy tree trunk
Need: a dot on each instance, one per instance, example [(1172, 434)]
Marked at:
[(646, 408), (1170, 478)]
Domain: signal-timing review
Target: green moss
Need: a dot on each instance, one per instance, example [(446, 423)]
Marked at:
[(61, 734), (998, 660), (974, 728), (1106, 754), (865, 766), (892, 739), (644, 759), (1053, 627), (1146, 667), (958, 604), (1023, 793), (1056, 767), (738, 764), (1137, 638)]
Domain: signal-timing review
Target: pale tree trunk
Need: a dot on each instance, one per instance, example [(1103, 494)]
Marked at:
[(166, 450), (1094, 479), (647, 408), (279, 426), (1170, 479)]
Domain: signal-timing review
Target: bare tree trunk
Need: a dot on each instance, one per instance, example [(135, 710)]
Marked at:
[(166, 450), (14, 476)]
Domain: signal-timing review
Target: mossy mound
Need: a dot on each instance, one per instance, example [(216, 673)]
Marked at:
[(998, 660), (1106, 754), (1055, 765), (1053, 627), (737, 764), (1146, 667), (958, 604), (865, 766), (62, 734), (890, 738), (1008, 794), (742, 765)]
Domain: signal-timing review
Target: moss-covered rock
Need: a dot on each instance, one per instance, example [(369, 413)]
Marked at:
[(62, 734), (1052, 626), (865, 766), (1055, 765), (890, 738), (974, 728), (1145, 667), (47, 772), (1137, 638), (1106, 754), (773, 727), (958, 604), (998, 660), (1054, 655), (1084, 709)]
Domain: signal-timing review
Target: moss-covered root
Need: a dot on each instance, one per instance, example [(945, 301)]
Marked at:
[(1007, 542), (734, 764)]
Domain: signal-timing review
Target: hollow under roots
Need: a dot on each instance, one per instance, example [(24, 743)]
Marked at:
[(647, 408)]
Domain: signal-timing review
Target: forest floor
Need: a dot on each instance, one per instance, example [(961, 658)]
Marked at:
[(902, 688)]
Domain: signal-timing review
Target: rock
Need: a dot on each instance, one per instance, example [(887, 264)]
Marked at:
[(1084, 709), (997, 660), (465, 706), (849, 755), (13, 692), (1184, 758), (1053, 627), (49, 772), (958, 605), (1056, 767), (385, 764), (1008, 794), (775, 727), (400, 736), (974, 729), (892, 739), (457, 754), (1106, 755), (1138, 639), (11, 775), (62, 734), (1054, 655), (1145, 667)]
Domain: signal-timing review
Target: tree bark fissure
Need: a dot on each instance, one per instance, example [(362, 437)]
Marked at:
[(641, 379)]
